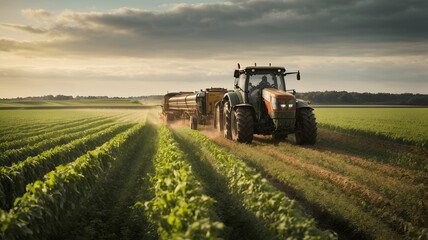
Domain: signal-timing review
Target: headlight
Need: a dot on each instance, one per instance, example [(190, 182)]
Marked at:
[(278, 104), (282, 104)]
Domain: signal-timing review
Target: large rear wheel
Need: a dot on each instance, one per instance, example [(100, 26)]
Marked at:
[(306, 127), (227, 114), (242, 125)]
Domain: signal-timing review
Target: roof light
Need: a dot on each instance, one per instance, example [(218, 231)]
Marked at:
[(269, 64), (255, 65)]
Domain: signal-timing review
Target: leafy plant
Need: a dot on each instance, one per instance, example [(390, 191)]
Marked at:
[(39, 211), (284, 217), (16, 155), (13, 179), (180, 209)]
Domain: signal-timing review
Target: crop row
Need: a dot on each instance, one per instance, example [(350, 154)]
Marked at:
[(180, 209), (11, 127), (13, 179), (16, 155), (38, 213), (50, 127), (283, 217), (51, 134)]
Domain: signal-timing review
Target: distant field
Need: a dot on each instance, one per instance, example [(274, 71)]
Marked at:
[(407, 125), (71, 103), (368, 106)]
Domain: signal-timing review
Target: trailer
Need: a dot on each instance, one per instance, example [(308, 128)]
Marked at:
[(198, 106)]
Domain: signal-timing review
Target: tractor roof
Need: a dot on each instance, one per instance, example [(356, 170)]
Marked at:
[(264, 69)]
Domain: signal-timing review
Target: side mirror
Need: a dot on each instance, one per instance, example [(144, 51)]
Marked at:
[(298, 75), (236, 74)]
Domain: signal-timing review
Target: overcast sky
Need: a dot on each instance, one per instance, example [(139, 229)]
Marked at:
[(133, 48)]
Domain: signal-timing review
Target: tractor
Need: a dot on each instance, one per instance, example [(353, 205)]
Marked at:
[(261, 104)]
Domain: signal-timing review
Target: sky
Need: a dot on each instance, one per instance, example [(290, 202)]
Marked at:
[(134, 48)]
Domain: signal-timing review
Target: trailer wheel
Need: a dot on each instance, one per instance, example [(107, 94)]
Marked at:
[(226, 121), (242, 125), (218, 120), (306, 127), (166, 118), (193, 123)]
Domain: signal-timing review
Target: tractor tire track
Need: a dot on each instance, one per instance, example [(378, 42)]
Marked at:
[(398, 214)]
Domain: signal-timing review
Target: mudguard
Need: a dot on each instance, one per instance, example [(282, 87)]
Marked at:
[(236, 101), (302, 104), (232, 97)]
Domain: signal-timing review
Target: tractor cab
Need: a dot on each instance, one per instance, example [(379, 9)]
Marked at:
[(264, 89)]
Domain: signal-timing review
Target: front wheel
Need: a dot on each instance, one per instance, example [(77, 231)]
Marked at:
[(306, 127), (242, 125)]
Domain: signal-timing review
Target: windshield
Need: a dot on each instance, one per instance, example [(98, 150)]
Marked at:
[(259, 81)]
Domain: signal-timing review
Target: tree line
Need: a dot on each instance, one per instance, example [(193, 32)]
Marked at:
[(343, 97), (326, 97)]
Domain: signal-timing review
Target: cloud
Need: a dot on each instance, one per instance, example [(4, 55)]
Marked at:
[(356, 45), (36, 14), (246, 28), (25, 28)]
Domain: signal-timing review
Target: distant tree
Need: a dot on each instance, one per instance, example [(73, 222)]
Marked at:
[(418, 100), (63, 97)]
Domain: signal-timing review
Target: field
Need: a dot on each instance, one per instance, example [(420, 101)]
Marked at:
[(116, 173), (82, 103)]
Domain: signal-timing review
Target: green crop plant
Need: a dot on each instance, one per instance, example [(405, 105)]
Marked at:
[(180, 209), (13, 179), (283, 217), (38, 211), (16, 155), (23, 141)]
